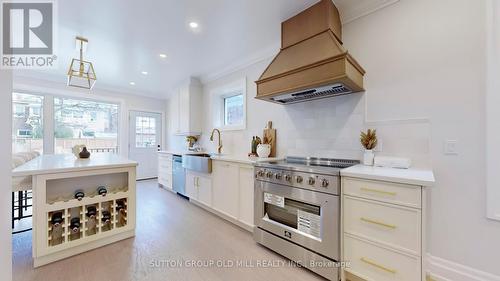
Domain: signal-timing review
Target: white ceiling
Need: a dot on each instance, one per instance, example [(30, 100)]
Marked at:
[(127, 36)]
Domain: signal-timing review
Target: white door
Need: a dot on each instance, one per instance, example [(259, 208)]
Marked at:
[(145, 142)]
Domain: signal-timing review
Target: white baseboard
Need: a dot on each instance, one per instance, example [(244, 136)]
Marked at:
[(439, 269)]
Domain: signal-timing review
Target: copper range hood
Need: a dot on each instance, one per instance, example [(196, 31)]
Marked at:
[(312, 63)]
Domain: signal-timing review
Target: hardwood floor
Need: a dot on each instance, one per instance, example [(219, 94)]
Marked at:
[(168, 228)]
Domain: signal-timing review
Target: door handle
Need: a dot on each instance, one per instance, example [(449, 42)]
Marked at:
[(378, 223), (374, 264)]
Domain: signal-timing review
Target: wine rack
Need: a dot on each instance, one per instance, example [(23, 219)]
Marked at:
[(67, 223), (92, 218)]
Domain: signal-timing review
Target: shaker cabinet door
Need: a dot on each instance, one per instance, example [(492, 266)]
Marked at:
[(225, 188), (191, 191), (204, 185), (246, 183)]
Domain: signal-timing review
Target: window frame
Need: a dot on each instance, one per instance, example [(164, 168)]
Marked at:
[(219, 94), (48, 118)]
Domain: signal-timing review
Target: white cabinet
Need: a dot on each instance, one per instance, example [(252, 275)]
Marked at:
[(199, 188), (190, 183), (225, 186), (233, 186), (186, 108), (204, 187), (383, 233), (246, 184), (165, 170)]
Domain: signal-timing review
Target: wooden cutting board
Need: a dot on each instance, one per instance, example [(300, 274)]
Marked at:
[(270, 134)]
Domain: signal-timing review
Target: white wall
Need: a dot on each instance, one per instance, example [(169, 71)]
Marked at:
[(5, 178), (125, 100), (427, 59), (425, 63)]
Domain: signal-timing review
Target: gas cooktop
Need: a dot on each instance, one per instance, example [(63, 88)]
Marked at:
[(310, 164)]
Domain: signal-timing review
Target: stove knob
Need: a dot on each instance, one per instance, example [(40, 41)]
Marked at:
[(269, 174), (260, 173), (299, 179), (324, 183), (277, 176), (311, 181), (288, 178)]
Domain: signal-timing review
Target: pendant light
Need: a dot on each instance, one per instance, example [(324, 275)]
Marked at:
[(81, 73)]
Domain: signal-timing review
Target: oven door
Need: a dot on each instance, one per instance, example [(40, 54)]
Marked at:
[(307, 218)]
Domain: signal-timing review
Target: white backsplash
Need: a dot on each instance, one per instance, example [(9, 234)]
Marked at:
[(321, 128)]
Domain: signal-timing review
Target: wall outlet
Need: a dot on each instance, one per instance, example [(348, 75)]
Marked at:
[(451, 147)]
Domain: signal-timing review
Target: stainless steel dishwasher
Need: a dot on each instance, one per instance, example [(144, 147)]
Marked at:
[(179, 175)]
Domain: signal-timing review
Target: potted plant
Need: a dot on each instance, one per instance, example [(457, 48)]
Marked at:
[(369, 142)]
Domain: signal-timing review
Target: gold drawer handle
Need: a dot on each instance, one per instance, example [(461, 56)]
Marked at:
[(378, 223), (367, 261), (379, 191)]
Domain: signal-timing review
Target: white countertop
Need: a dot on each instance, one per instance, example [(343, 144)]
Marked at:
[(404, 176), (49, 164), (224, 157), (243, 159)]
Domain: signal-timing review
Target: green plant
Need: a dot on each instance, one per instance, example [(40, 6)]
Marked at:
[(369, 139)]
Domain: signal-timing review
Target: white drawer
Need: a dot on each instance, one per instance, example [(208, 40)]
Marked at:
[(374, 263), (407, 195), (165, 166), (395, 226), (165, 157), (166, 181)]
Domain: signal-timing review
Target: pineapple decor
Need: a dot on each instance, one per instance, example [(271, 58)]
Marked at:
[(368, 140)]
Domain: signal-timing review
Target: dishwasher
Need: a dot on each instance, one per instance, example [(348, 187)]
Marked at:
[(179, 176)]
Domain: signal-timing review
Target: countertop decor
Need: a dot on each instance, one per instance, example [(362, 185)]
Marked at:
[(369, 142)]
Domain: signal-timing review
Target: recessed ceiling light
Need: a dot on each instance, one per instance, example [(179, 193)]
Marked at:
[(132, 83), (144, 72), (193, 24), (163, 56)]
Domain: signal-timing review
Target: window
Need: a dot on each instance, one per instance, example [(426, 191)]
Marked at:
[(27, 127), (145, 132), (229, 105), (91, 123), (233, 110)]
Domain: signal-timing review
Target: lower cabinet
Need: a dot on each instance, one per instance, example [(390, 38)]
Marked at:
[(165, 170), (383, 230), (226, 185), (246, 201), (228, 191), (199, 187)]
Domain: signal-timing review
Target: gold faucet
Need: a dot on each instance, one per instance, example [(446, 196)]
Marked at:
[(219, 147)]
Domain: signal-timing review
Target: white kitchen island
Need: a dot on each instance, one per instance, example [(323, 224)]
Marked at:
[(103, 218)]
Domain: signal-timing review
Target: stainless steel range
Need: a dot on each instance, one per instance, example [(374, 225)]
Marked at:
[(297, 210)]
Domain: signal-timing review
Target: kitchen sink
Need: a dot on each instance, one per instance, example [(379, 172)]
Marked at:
[(197, 162)]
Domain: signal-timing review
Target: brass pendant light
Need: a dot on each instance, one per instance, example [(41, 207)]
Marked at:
[(81, 73)]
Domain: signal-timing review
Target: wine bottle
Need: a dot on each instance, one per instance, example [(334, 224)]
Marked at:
[(120, 205), (79, 194), (91, 212), (75, 225), (56, 219), (106, 217), (102, 190)]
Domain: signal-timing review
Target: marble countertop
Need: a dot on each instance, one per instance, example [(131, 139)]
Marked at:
[(57, 163), (243, 159), (404, 176)]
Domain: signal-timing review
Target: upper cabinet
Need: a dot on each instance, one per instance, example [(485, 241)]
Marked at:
[(186, 108)]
